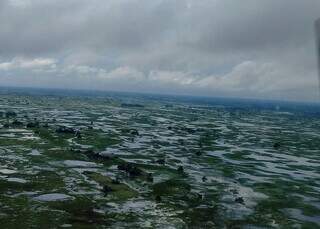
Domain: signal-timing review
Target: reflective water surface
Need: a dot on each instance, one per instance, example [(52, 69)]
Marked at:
[(142, 162)]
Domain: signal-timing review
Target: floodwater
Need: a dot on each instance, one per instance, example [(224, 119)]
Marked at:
[(155, 163)]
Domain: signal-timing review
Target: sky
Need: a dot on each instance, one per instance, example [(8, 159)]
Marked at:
[(227, 48)]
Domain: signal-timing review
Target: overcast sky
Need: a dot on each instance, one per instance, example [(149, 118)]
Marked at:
[(247, 48)]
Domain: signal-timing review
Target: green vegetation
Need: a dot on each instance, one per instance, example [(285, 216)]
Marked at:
[(154, 165)]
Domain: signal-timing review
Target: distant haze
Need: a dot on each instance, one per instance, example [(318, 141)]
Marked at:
[(317, 27), (251, 48)]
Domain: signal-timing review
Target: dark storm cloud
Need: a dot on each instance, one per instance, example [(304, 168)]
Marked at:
[(190, 45), (254, 25), (52, 26)]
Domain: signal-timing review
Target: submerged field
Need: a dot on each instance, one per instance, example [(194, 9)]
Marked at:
[(100, 162)]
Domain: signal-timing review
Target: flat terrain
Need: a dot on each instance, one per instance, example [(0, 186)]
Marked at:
[(100, 162)]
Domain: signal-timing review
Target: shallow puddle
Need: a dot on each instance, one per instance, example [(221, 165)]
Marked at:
[(97, 162)]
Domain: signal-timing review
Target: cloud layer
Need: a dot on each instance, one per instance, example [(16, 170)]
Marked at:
[(260, 49)]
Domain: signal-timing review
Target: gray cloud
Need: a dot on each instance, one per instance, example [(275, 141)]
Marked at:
[(246, 48)]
